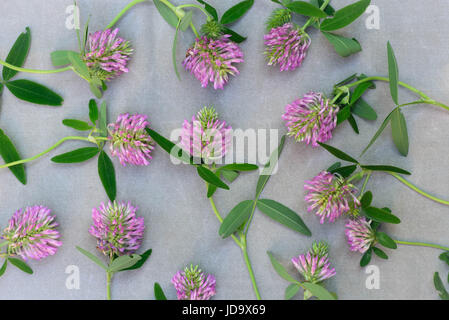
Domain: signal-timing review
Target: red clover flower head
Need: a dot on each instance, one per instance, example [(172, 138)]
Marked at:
[(194, 284), (206, 136), (129, 141), (359, 234), (117, 228), (287, 46), (213, 60), (314, 265), (107, 55), (311, 119), (32, 234), (331, 196)]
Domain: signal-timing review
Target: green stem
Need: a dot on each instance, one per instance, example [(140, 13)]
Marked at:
[(250, 268), (14, 163), (108, 285), (415, 188), (422, 244), (126, 9), (217, 214), (197, 7), (365, 182), (10, 66), (426, 98)]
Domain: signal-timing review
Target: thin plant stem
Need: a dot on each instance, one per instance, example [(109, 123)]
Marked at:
[(14, 163), (426, 98), (217, 214), (312, 19), (422, 244), (415, 188), (250, 269), (10, 66), (108, 285), (180, 14), (365, 182), (126, 9)]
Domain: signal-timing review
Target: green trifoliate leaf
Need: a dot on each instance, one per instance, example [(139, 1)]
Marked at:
[(18, 54)]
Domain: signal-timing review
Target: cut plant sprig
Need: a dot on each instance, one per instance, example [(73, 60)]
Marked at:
[(98, 135), (236, 223), (351, 102), (357, 171), (283, 34), (181, 18)]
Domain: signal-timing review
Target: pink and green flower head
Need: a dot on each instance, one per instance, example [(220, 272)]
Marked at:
[(107, 55), (359, 234), (129, 141), (206, 136), (314, 265), (330, 196), (32, 233), (117, 228), (194, 284), (286, 46), (213, 60), (311, 118)]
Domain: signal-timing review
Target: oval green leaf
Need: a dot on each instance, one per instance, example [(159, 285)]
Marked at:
[(236, 12), (9, 154), (366, 200), (93, 111), (380, 253), (279, 268), (362, 109), (158, 292), (399, 132), (343, 46), (20, 265), (76, 156), (77, 124), (393, 73), (123, 262), (211, 178), (92, 257), (3, 268), (234, 35), (306, 9), (338, 153), (283, 215), (381, 215), (318, 291), (385, 240), (239, 167), (34, 92), (144, 257), (236, 218), (366, 258), (291, 290), (18, 54), (106, 172), (345, 16), (166, 13)]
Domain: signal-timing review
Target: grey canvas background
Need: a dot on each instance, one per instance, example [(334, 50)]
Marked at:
[(181, 227)]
